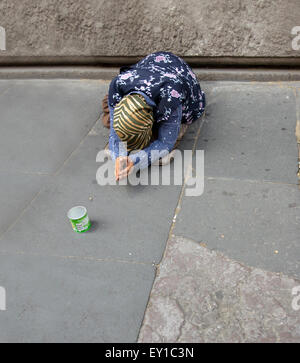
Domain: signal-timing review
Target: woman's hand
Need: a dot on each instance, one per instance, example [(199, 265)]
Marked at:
[(123, 167)]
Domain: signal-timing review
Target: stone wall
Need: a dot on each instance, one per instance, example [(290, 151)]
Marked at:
[(89, 31)]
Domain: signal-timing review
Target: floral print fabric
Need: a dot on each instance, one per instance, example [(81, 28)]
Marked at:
[(167, 80)]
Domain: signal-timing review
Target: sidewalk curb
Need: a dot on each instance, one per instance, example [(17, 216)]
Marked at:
[(107, 73)]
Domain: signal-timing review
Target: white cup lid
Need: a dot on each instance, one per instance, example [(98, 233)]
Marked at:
[(77, 212)]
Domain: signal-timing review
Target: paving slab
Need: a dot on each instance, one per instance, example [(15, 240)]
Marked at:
[(249, 209), (5, 85), (42, 122), (124, 217), (72, 300), (16, 192), (249, 132), (248, 221), (41, 243), (202, 296), (250, 212)]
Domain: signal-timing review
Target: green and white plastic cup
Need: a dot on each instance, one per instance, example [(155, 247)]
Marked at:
[(79, 219)]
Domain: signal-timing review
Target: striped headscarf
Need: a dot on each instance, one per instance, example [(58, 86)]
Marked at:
[(133, 121)]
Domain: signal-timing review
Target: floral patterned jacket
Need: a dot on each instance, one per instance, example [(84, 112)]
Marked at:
[(171, 87)]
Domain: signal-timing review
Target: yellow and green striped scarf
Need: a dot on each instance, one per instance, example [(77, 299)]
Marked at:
[(133, 121)]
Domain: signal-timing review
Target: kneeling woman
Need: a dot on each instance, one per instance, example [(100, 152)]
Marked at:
[(148, 108)]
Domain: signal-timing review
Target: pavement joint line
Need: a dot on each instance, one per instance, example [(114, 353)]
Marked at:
[(297, 130), (297, 105), (39, 192), (57, 172), (177, 210), (277, 84), (243, 264), (250, 181), (109, 71), (243, 281), (21, 214), (25, 172), (271, 83), (101, 81), (79, 258), (5, 90), (260, 84), (189, 170)]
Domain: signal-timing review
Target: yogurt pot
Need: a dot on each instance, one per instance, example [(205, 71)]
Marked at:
[(79, 219)]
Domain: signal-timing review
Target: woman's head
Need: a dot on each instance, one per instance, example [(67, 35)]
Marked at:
[(133, 121)]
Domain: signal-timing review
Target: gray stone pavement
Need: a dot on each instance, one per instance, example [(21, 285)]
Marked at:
[(236, 277), (201, 296), (66, 287)]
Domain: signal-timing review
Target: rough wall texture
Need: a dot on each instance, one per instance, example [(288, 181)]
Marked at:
[(200, 28)]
